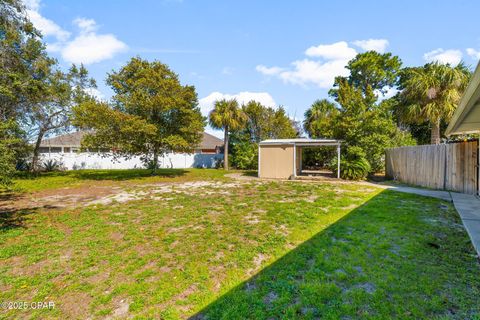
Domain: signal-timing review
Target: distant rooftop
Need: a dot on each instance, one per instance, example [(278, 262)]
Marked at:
[(74, 139), (301, 142)]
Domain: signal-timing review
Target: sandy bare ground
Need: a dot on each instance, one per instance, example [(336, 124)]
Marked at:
[(93, 194), (102, 195)]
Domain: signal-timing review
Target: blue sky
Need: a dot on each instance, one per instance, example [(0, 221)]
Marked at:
[(278, 52)]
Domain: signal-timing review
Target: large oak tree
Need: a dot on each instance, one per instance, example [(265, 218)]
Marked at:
[(151, 113)]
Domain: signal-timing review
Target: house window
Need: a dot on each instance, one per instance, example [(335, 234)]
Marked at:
[(66, 149), (43, 150), (75, 149), (55, 149)]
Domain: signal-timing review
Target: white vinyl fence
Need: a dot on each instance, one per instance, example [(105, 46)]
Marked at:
[(86, 160)]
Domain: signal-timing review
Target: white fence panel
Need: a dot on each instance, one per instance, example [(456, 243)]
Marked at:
[(86, 160)]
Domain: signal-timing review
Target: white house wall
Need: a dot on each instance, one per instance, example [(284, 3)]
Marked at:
[(75, 161)]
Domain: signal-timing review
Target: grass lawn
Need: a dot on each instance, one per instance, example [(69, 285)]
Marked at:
[(193, 243), (26, 182)]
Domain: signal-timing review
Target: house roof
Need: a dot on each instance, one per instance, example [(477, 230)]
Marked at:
[(301, 142), (74, 139), (210, 142), (466, 118)]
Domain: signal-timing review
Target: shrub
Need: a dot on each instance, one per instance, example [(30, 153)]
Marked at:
[(354, 165), (51, 165), (218, 164), (245, 155), (23, 165)]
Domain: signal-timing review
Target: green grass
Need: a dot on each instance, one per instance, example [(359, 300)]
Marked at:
[(27, 182), (253, 250)]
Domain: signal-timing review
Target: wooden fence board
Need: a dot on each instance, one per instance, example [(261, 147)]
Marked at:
[(451, 167)]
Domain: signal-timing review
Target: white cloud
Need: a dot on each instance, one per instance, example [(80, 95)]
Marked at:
[(206, 103), (86, 47), (85, 25), (89, 47), (379, 45), (324, 63), (331, 61), (335, 51), (46, 26), (450, 56), (473, 53), (320, 73), (268, 71), (92, 48)]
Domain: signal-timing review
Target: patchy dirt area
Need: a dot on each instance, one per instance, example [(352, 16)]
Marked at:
[(103, 195), (57, 198)]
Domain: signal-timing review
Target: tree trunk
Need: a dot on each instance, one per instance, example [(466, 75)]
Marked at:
[(435, 138), (225, 151), (155, 161), (36, 150)]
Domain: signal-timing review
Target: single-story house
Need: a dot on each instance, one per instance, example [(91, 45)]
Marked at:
[(66, 150), (466, 119), (282, 158)]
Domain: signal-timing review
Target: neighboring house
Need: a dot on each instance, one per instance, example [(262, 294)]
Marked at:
[(66, 149), (466, 119)]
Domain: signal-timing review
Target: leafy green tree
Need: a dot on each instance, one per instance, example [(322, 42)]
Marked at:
[(374, 70), (51, 110), (431, 94), (266, 123), (227, 115), (358, 117), (24, 70), (12, 146), (123, 134), (245, 155), (152, 113), (371, 72), (320, 122), (371, 128), (262, 123), (22, 56)]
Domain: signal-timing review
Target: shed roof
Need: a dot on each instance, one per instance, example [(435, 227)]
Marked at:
[(466, 118), (301, 142), (74, 139)]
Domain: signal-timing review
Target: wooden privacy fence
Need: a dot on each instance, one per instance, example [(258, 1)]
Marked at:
[(451, 166)]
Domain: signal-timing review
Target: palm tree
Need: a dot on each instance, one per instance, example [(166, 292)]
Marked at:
[(227, 115), (319, 119), (431, 94)]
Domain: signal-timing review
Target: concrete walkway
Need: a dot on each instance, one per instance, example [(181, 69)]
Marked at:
[(468, 207), (444, 195)]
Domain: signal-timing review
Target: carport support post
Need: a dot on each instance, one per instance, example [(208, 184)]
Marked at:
[(338, 161), (294, 160), (259, 159)]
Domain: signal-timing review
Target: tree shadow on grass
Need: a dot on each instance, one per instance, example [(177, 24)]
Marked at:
[(116, 175), (14, 218), (376, 262)]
